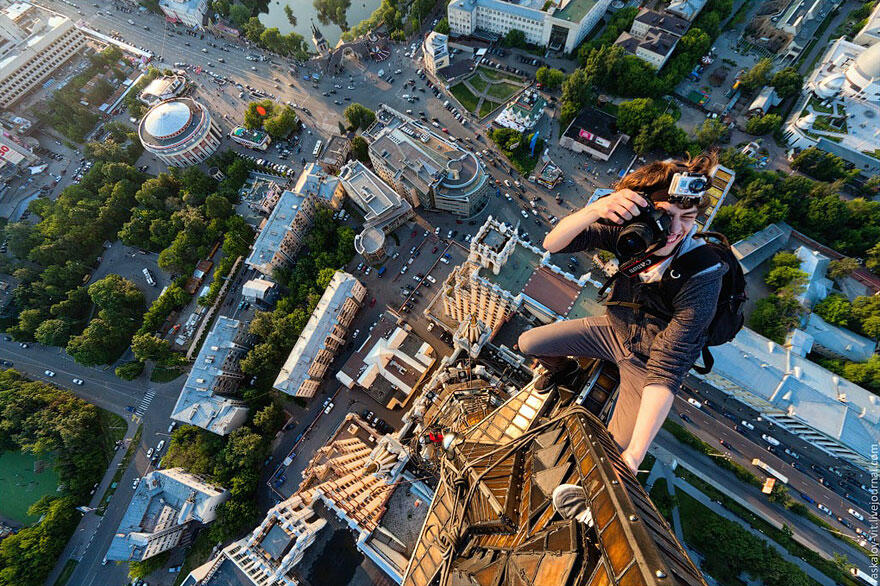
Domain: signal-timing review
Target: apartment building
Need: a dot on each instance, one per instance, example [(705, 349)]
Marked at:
[(324, 336), (425, 168), (204, 400), (384, 210), (557, 24), (34, 43), (166, 505), (282, 234)]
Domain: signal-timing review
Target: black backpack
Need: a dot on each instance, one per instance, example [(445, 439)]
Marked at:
[(729, 317)]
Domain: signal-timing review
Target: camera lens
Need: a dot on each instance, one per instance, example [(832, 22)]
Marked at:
[(633, 240), (697, 186)]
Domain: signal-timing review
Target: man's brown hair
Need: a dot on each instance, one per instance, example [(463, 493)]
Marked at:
[(654, 178)]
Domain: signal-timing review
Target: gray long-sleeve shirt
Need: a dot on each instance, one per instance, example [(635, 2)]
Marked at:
[(668, 347)]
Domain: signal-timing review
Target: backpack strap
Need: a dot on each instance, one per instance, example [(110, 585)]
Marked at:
[(708, 362), (687, 265)]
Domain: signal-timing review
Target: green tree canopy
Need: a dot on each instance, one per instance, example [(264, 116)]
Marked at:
[(360, 149), (239, 14), (761, 125), (711, 132), (442, 26), (787, 82), (359, 116), (835, 309), (550, 78), (515, 38), (758, 75)]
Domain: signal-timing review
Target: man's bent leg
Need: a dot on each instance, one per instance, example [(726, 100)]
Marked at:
[(551, 344), (629, 397)]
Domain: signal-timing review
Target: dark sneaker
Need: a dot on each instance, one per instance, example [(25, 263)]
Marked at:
[(570, 501), (548, 381)]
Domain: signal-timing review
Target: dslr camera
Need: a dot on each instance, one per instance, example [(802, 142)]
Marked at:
[(642, 235)]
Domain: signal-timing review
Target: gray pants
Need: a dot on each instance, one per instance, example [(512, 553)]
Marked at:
[(592, 337)]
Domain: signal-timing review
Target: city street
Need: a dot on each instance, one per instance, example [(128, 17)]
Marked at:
[(152, 402), (744, 444)]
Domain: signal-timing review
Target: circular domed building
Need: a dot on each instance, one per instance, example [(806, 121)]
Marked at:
[(181, 132), (863, 75)]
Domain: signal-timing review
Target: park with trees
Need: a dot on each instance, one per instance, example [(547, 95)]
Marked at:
[(79, 440), (276, 119)]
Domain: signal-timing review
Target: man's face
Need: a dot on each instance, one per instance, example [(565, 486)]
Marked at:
[(682, 220)]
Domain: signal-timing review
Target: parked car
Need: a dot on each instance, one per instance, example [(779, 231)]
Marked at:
[(49, 372), (78, 381)]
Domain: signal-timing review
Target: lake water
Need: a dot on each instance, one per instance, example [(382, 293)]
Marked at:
[(20, 486), (305, 12)]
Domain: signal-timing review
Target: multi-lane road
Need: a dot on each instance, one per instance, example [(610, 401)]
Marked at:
[(105, 390)]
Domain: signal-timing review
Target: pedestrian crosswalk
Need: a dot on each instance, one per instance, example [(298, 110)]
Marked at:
[(145, 403)]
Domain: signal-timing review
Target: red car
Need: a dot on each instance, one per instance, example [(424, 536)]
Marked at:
[(434, 250), (372, 302), (445, 130)]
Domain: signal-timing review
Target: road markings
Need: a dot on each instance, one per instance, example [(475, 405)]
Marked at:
[(145, 403)]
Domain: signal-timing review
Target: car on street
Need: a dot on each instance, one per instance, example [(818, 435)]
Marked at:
[(49, 372), (135, 482), (328, 408), (432, 279), (6, 363), (78, 381), (684, 417), (149, 453), (856, 514), (694, 402), (823, 508)]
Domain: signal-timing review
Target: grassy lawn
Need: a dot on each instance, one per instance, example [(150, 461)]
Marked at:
[(663, 500), (478, 83), (502, 91), (487, 107), (21, 486), (113, 427), (465, 97), (781, 537), (108, 494), (496, 75), (164, 374), (66, 573), (816, 105), (715, 536)]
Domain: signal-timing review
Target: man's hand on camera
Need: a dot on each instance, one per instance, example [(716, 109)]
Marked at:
[(619, 206)]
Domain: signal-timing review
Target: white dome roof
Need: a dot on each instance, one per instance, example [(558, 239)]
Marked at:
[(167, 118), (830, 85), (868, 63), (806, 122)]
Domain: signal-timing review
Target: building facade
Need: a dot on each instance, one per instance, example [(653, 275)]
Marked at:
[(166, 505), (35, 43), (283, 233), (384, 210), (436, 52), (840, 106), (425, 168), (559, 24), (324, 336), (215, 374), (162, 88), (180, 132), (187, 12)]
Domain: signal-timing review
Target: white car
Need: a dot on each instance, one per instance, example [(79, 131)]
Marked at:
[(395, 255), (694, 402), (823, 508), (432, 279), (444, 260), (507, 196), (410, 261), (149, 452), (160, 446), (328, 408), (856, 514), (449, 234), (430, 326), (360, 267), (369, 269), (78, 381), (437, 231), (355, 334), (172, 426), (747, 425), (403, 270), (524, 214), (507, 182), (49, 372), (135, 482)]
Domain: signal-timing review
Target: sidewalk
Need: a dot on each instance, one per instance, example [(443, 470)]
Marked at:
[(88, 526)]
